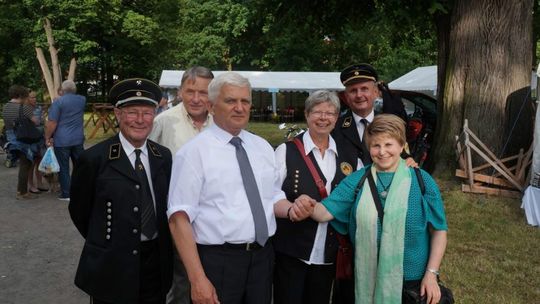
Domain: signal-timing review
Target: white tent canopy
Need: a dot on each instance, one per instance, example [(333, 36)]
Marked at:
[(271, 81), (423, 79)]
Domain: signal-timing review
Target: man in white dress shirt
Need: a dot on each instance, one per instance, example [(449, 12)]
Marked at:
[(173, 128), (216, 226)]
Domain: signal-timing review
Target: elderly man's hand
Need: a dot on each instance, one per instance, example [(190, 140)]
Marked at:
[(410, 162), (203, 292), (302, 208)]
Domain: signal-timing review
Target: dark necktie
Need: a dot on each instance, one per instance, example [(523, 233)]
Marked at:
[(252, 192), (148, 215), (365, 123), (364, 156)]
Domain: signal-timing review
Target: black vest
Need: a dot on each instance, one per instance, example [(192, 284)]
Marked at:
[(296, 238)]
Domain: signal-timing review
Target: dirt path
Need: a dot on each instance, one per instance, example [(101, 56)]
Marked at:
[(39, 247)]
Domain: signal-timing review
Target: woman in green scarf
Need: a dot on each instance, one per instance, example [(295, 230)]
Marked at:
[(408, 247)]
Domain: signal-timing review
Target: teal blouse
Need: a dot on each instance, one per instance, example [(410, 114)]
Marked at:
[(421, 214)]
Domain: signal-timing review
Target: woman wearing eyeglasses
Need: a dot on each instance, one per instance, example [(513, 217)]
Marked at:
[(306, 250)]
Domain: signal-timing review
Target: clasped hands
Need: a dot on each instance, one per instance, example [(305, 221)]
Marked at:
[(301, 208)]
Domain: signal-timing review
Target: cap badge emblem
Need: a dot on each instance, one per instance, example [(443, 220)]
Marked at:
[(138, 94), (139, 82)]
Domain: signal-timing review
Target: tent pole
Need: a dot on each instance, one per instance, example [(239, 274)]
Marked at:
[(274, 102)]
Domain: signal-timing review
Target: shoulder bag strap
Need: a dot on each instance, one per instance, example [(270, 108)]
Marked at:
[(375, 195), (318, 181), (420, 181)]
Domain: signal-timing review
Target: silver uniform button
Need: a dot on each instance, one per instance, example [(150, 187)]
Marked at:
[(108, 230), (108, 237), (137, 187), (109, 204), (108, 223), (135, 230), (109, 210), (109, 217), (135, 252), (135, 209)]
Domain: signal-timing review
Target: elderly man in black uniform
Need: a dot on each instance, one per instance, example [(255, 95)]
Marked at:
[(118, 203), (361, 90)]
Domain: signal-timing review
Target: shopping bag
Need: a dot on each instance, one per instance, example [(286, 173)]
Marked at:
[(49, 163)]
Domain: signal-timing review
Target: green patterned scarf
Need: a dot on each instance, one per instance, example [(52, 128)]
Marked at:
[(381, 281)]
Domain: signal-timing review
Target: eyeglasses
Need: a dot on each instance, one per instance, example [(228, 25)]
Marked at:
[(132, 115), (321, 114)]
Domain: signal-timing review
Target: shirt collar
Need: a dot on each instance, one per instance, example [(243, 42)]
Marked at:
[(129, 148), (369, 118), (309, 145), (225, 137)]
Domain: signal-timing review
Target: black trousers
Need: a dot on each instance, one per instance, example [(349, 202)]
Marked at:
[(296, 282), (24, 168), (150, 291), (240, 276), (343, 292)]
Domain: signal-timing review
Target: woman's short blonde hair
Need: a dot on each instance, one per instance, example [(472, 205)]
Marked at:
[(389, 125)]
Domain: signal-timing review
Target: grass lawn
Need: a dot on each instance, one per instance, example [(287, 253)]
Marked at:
[(493, 256)]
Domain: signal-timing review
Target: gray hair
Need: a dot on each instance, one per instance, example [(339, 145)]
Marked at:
[(68, 86), (227, 78), (321, 96), (194, 72)]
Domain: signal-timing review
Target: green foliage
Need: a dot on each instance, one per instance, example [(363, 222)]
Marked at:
[(207, 32)]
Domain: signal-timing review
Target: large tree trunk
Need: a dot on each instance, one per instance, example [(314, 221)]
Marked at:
[(489, 59)]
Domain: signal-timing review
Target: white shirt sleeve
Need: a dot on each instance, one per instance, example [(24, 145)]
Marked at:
[(281, 163), (185, 187)]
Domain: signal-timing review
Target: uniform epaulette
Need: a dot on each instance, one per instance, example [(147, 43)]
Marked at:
[(114, 151), (347, 122), (154, 149)]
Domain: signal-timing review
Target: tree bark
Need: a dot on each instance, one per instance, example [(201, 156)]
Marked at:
[(46, 73), (489, 59), (72, 67), (55, 65)]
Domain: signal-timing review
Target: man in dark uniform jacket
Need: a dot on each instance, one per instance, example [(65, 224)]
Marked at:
[(361, 90), (118, 203)]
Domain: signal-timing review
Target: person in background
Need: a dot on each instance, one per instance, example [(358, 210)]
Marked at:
[(64, 130), (361, 91), (173, 129), (400, 246), (181, 123), (35, 178), (306, 250), (163, 104), (118, 204), (25, 152)]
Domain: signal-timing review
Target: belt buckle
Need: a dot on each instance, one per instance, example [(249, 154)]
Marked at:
[(249, 246)]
